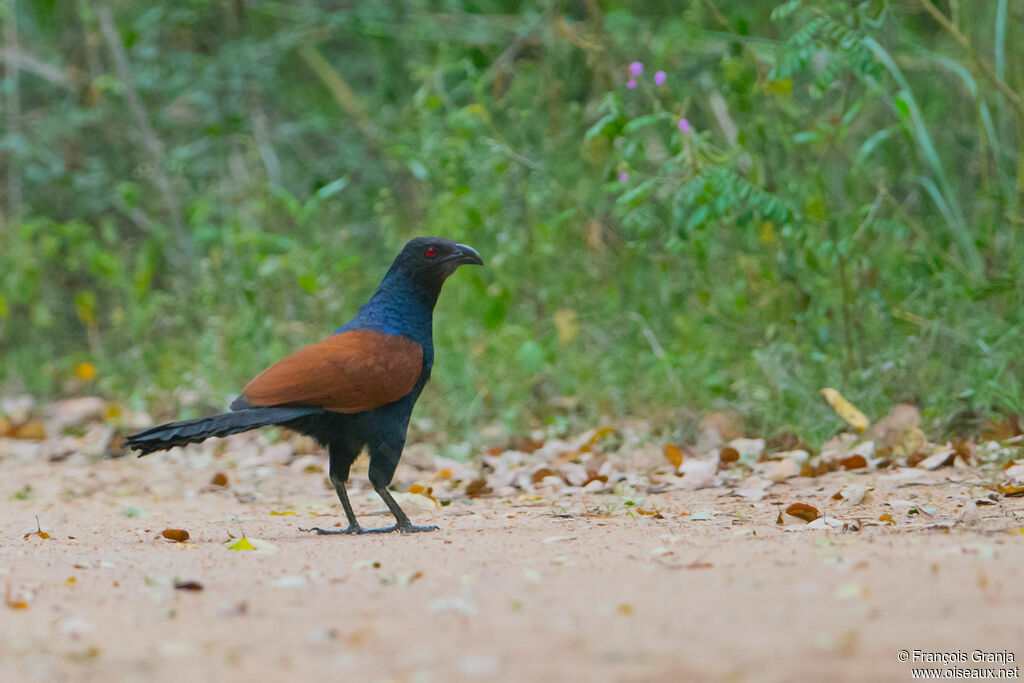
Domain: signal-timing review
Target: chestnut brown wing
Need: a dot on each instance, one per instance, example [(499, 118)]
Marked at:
[(350, 372)]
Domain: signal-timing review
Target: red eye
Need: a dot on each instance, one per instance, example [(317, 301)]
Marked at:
[(431, 252)]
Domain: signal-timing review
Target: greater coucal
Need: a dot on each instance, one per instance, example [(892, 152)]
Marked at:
[(354, 389)]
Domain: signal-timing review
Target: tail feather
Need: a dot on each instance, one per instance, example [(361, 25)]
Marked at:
[(172, 434)]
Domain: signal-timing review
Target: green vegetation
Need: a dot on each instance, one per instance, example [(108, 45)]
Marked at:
[(194, 188)]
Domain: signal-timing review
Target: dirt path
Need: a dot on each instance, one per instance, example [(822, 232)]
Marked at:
[(577, 587)]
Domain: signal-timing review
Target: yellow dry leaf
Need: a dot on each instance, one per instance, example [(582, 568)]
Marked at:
[(282, 513), (674, 455), (34, 430), (242, 544), (846, 410), (16, 601), (566, 324), (86, 371), (600, 434), (38, 532), (427, 492)]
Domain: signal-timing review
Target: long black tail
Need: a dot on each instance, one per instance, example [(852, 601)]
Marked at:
[(173, 434)]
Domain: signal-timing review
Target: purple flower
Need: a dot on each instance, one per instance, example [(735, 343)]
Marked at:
[(685, 126), (636, 68), (623, 177), (631, 83), (659, 77)]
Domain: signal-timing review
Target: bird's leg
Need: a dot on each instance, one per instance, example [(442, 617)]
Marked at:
[(402, 523), (353, 523)]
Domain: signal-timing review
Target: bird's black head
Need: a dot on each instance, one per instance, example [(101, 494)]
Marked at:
[(430, 260)]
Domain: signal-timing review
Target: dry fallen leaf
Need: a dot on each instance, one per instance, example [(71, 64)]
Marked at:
[(19, 601), (242, 544), (673, 455), (219, 479), (1011, 491), (30, 431), (728, 455), (846, 410), (176, 535), (38, 532), (426, 492), (188, 586), (854, 462), (803, 511)]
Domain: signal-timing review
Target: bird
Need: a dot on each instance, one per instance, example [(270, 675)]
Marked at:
[(353, 390)]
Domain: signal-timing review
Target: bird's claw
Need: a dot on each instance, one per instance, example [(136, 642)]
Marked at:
[(350, 530), (406, 528)]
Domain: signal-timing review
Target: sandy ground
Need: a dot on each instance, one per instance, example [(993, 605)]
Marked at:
[(574, 587)]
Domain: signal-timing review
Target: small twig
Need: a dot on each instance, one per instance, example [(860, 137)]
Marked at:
[(12, 55), (339, 88)]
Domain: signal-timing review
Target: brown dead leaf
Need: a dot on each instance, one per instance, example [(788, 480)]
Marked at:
[(854, 462), (965, 449), (727, 455), (698, 565), (673, 455), (916, 458), (538, 476), (1003, 430), (477, 487), (650, 513), (523, 444), (1011, 491), (219, 479), (803, 511), (818, 468), (188, 586), (787, 441), (176, 535)]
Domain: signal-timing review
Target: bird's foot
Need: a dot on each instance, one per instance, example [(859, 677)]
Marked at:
[(352, 529), (407, 528)]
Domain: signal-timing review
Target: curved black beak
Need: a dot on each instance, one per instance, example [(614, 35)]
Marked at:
[(468, 254)]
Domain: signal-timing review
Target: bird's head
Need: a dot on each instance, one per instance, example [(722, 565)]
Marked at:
[(430, 260)]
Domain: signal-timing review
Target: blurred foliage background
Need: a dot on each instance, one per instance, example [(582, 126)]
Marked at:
[(811, 194)]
